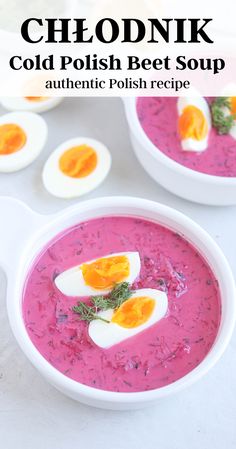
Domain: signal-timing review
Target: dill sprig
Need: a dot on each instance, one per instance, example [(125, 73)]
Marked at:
[(87, 313), (119, 294), (221, 121)]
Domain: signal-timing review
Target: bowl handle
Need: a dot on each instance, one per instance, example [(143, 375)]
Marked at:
[(17, 224)]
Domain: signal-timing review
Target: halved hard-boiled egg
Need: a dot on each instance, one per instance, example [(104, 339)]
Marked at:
[(76, 167), (22, 137), (194, 123), (145, 308), (99, 276), (33, 104)]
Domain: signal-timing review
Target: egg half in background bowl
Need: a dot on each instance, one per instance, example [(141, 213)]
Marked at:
[(22, 138), (76, 167), (33, 103), (194, 123)]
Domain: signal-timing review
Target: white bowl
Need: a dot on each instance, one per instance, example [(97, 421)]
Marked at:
[(33, 233), (180, 180)]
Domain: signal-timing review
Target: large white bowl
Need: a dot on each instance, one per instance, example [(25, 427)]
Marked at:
[(180, 180), (18, 250)]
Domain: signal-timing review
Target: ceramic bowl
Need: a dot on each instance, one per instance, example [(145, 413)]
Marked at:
[(178, 179), (19, 249)]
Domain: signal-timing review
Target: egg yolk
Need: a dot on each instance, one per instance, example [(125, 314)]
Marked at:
[(192, 124), (12, 138), (233, 105), (78, 162), (134, 312), (36, 99), (104, 273)]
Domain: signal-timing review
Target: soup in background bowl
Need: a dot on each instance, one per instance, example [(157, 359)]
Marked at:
[(159, 119), (206, 177)]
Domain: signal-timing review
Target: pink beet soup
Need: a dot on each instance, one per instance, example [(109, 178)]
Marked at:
[(159, 119), (159, 355)]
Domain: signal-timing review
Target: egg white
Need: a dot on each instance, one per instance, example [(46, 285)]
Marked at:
[(232, 131), (230, 91), (35, 129), (106, 335), (23, 104), (72, 283), (63, 186), (200, 103)]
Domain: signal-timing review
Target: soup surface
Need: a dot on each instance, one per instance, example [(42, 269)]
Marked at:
[(153, 358), (159, 119)]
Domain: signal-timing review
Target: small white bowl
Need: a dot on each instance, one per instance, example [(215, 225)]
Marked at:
[(178, 179), (34, 231)]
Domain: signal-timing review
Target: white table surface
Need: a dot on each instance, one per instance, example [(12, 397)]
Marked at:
[(33, 415)]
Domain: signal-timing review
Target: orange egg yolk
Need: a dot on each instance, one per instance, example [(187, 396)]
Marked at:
[(134, 312), (12, 138), (36, 99), (104, 273), (78, 162), (233, 105), (192, 124)]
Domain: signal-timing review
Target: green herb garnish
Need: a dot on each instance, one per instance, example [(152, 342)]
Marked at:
[(119, 294), (87, 313), (221, 121)]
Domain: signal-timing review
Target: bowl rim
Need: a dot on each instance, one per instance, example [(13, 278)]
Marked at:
[(78, 390), (136, 127)]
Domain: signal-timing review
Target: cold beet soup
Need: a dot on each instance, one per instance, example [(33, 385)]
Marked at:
[(159, 334), (160, 120)]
